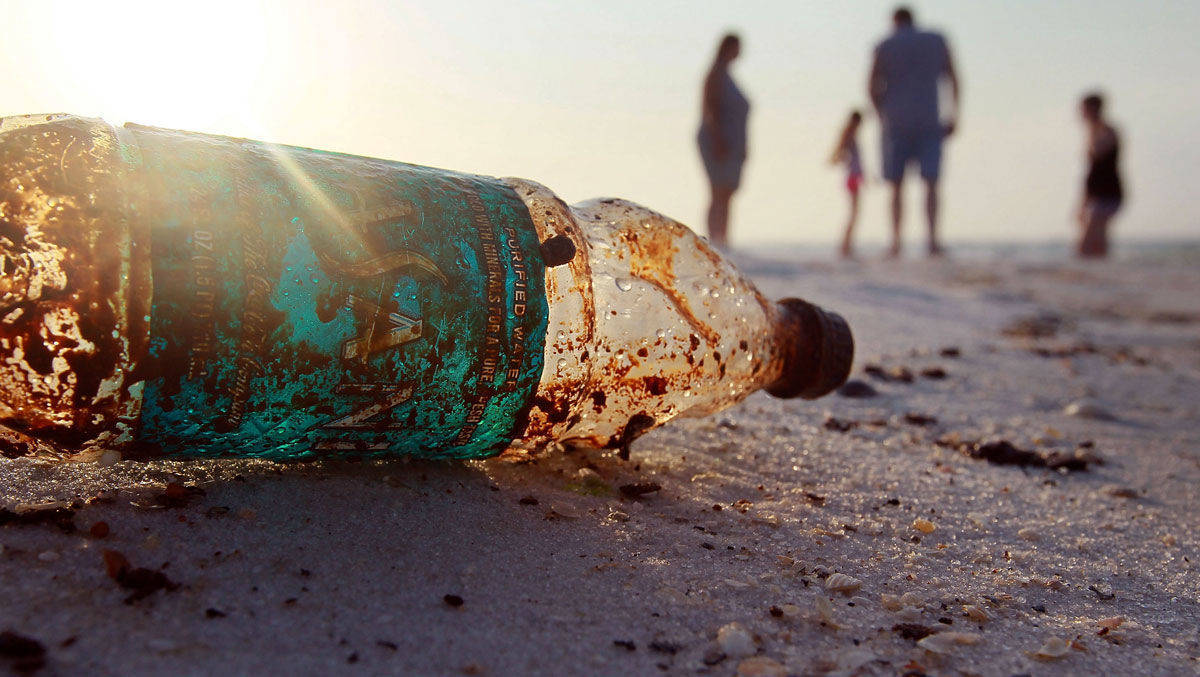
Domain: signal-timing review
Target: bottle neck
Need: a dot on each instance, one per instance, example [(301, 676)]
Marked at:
[(816, 350)]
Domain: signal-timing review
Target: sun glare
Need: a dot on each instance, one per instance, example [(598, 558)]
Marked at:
[(183, 65)]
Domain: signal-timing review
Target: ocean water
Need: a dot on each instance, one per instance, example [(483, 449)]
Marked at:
[(1183, 252)]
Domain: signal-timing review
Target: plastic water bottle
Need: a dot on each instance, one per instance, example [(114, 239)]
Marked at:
[(165, 293)]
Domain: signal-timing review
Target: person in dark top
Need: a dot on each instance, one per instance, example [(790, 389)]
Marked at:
[(1102, 190)]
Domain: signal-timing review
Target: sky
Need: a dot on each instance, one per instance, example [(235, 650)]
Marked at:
[(603, 98)]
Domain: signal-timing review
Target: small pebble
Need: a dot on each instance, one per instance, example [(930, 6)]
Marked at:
[(856, 389), (99, 530), (1029, 534), (618, 516), (735, 640), (944, 642), (1111, 623), (48, 556), (1086, 408), (923, 525), (761, 666), (1054, 648), (452, 600)]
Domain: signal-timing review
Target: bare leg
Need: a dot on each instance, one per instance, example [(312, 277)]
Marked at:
[(718, 215), (848, 239), (897, 214), (931, 214), (1093, 241)]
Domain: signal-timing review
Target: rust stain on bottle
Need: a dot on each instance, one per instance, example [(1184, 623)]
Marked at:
[(70, 338), (651, 259)]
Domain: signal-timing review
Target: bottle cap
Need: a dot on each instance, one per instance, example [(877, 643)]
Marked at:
[(818, 350)]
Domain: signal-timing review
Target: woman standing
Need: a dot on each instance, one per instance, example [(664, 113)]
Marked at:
[(846, 153), (1102, 191), (722, 137)]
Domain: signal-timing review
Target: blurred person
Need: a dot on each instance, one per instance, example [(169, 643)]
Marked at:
[(1102, 189), (846, 153), (906, 72), (722, 137)]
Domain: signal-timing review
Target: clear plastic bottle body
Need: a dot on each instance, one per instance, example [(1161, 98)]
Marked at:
[(647, 323)]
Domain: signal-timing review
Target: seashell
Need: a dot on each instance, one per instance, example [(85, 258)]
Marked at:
[(1054, 649), (976, 614), (944, 642), (842, 583), (825, 611)]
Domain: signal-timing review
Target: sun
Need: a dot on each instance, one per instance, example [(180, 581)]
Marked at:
[(194, 66)]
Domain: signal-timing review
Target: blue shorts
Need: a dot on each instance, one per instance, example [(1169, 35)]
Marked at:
[(902, 147)]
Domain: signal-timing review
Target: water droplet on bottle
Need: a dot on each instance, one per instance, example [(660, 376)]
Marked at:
[(562, 335), (716, 293), (624, 284), (661, 333), (562, 363)]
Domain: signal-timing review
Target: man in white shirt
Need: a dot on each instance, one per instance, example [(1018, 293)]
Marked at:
[(906, 73)]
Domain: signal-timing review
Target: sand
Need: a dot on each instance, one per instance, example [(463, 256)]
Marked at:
[(353, 568)]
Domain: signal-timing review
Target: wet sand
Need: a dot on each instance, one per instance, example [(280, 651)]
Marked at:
[(548, 568)]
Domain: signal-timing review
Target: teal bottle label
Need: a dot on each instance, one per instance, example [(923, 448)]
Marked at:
[(310, 304)]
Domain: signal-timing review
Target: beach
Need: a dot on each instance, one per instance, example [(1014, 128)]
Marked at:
[(904, 532)]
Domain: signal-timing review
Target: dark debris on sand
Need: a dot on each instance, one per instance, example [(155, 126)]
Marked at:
[(892, 375), (25, 654), (639, 489), (1003, 452), (913, 631), (1041, 325), (856, 389), (143, 582), (60, 516), (839, 425)]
